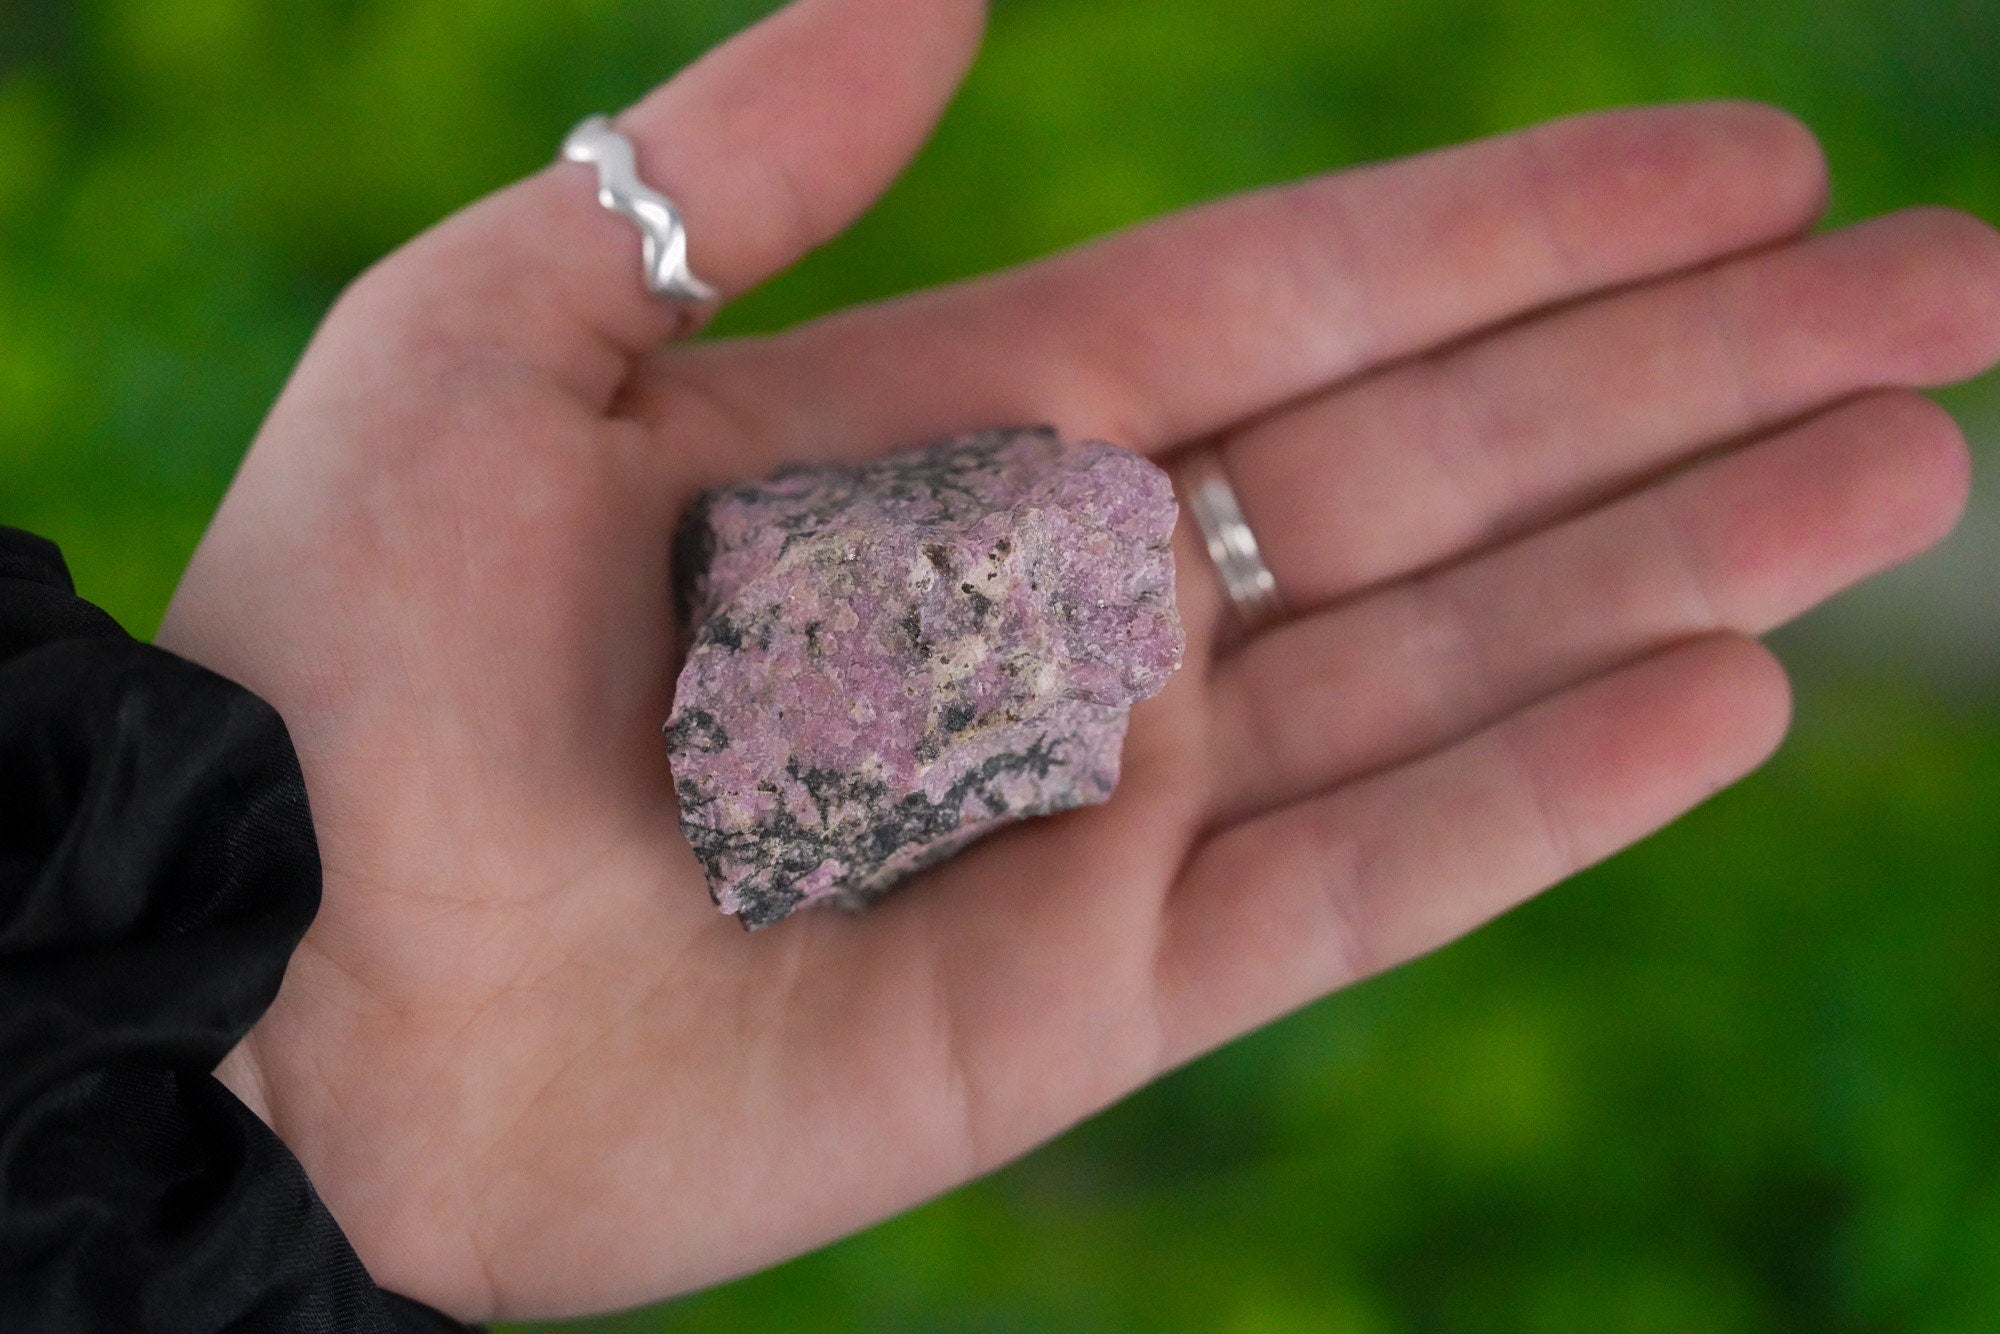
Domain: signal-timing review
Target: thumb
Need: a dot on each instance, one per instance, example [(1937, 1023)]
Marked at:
[(768, 145)]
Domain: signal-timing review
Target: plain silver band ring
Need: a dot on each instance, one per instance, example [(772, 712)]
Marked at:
[(664, 237), (1232, 547)]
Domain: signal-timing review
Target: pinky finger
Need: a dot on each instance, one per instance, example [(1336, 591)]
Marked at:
[(1291, 904)]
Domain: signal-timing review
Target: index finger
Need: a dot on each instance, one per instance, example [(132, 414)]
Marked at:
[(1177, 328)]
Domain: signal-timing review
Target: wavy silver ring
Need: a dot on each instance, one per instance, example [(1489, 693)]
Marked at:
[(1232, 547), (664, 237)]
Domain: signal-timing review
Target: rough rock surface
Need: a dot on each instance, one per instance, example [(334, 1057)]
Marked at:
[(892, 659)]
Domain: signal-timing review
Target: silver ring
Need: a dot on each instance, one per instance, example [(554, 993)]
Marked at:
[(664, 237), (1232, 547)]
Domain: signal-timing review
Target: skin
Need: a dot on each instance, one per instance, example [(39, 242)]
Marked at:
[(1539, 433)]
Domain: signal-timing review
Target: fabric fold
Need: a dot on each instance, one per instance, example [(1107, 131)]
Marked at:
[(157, 868)]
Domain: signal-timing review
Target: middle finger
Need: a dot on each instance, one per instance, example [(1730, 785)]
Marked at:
[(1435, 457)]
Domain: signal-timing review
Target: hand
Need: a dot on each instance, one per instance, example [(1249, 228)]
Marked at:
[(1537, 432)]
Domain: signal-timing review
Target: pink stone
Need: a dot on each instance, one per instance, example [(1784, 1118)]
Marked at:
[(891, 659)]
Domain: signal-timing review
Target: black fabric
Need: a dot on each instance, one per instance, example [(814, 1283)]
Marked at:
[(157, 867)]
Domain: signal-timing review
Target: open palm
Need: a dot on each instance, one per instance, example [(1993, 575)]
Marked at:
[(1537, 433)]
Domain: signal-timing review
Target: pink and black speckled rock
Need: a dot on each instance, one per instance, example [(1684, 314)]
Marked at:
[(892, 659)]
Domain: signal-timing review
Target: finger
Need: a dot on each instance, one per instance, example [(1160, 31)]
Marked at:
[(1285, 907), (1177, 328), (768, 145), (1437, 456), (1742, 543)]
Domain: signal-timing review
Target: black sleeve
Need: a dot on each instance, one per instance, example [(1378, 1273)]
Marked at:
[(157, 867)]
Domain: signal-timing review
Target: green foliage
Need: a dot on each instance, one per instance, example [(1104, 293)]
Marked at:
[(1741, 1078)]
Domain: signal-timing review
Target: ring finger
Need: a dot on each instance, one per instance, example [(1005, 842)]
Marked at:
[(1742, 543)]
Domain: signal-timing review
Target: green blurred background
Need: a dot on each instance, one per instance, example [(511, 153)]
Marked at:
[(1747, 1076)]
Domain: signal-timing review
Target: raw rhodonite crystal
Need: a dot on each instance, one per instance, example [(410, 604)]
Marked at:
[(894, 658)]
